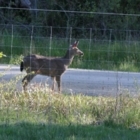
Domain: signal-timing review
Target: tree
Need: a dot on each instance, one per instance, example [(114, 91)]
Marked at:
[(10, 15)]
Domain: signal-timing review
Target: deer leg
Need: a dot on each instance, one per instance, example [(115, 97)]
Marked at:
[(58, 79), (53, 83), (26, 80)]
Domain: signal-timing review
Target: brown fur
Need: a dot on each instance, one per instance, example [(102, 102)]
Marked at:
[(53, 67)]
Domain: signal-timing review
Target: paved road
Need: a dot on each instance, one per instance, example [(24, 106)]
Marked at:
[(89, 82)]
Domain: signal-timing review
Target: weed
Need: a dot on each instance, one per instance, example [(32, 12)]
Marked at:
[(101, 55), (63, 116)]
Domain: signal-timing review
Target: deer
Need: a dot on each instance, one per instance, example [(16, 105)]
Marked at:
[(53, 67)]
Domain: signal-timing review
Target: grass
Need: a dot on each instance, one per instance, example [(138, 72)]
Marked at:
[(40, 115), (99, 54), (65, 109), (38, 131), (47, 116)]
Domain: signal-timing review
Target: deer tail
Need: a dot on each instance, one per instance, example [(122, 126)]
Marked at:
[(21, 66)]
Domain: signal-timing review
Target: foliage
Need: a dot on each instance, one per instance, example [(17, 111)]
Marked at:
[(115, 55), (17, 14), (16, 60), (93, 15), (66, 116), (88, 18), (2, 55), (39, 104), (109, 31), (42, 131)]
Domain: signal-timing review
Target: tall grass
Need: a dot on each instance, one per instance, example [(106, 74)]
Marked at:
[(39, 105), (39, 114), (98, 54), (74, 109)]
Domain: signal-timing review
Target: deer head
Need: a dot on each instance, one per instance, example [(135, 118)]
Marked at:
[(74, 50)]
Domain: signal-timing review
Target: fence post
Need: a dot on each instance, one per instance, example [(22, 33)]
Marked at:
[(50, 41), (89, 49), (12, 36), (31, 43), (70, 35), (109, 46)]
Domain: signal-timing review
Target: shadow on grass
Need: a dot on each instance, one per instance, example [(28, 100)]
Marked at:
[(41, 131)]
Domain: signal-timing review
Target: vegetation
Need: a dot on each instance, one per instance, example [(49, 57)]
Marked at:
[(2, 55), (38, 114), (108, 32), (72, 19), (96, 15), (109, 41), (38, 131), (105, 55)]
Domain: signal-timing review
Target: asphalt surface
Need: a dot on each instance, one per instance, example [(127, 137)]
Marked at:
[(79, 81)]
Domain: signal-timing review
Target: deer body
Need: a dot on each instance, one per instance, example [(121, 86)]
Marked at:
[(53, 67)]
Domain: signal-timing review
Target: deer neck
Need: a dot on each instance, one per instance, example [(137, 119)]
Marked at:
[(68, 58)]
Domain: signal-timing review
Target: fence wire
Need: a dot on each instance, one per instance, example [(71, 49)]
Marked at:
[(110, 67), (104, 48)]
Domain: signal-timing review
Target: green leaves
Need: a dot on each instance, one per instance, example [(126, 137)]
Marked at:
[(2, 55)]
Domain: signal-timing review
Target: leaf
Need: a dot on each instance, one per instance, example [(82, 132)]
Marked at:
[(2, 55)]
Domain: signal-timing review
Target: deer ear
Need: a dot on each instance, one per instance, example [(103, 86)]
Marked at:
[(75, 44)]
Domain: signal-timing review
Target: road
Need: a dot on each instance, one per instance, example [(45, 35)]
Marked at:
[(89, 82)]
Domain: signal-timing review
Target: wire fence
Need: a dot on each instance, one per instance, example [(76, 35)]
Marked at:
[(100, 53), (107, 52), (104, 48), (17, 39)]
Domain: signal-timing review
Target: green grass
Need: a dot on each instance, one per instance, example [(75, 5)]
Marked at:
[(38, 131), (53, 116), (39, 114), (100, 54)]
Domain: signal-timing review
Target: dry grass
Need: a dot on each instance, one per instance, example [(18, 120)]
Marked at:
[(66, 115), (55, 108)]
